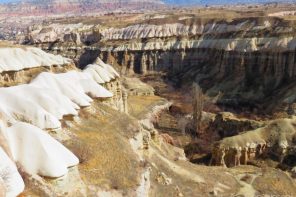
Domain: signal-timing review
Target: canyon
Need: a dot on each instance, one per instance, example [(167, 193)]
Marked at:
[(173, 101), (255, 67)]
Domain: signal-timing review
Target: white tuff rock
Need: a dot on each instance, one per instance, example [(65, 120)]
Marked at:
[(15, 59), (27, 109)]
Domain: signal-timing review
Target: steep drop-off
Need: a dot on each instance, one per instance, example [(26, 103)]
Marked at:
[(120, 153), (30, 112), (251, 61)]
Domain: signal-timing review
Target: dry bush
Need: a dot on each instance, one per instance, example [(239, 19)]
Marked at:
[(80, 149)]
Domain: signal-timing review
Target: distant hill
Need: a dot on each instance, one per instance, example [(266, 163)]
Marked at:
[(42, 7), (48, 7), (127, 2), (219, 2)]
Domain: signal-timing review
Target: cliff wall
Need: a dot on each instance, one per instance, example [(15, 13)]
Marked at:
[(249, 60)]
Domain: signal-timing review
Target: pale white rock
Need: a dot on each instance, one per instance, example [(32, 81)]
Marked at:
[(49, 97), (178, 29), (63, 86), (19, 107), (46, 35), (17, 58), (12, 179), (74, 85), (92, 72), (94, 89), (159, 16), (86, 83), (283, 13), (27, 109), (51, 101), (239, 44), (101, 72), (184, 18), (58, 32), (37, 152), (108, 68)]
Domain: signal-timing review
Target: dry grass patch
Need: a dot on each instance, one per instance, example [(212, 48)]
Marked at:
[(139, 106), (106, 133)]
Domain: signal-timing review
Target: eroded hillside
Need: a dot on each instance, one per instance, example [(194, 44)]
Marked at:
[(112, 145), (113, 97), (247, 55)]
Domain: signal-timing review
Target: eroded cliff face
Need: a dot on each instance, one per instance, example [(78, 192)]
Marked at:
[(41, 94), (117, 154), (123, 154), (249, 60), (274, 140)]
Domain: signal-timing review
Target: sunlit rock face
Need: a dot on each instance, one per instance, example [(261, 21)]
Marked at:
[(18, 65), (233, 58), (256, 55), (28, 111), (12, 184), (108, 77), (274, 140)]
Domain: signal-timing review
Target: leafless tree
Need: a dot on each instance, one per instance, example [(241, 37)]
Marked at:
[(198, 104)]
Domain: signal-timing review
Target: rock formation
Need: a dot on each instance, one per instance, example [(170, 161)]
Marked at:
[(106, 75), (28, 110), (188, 50), (275, 139), (227, 124), (19, 65)]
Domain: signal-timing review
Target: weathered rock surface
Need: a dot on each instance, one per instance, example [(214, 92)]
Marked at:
[(256, 56), (44, 102), (227, 124), (274, 140)]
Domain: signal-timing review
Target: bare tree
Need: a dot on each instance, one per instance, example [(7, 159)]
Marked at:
[(198, 104)]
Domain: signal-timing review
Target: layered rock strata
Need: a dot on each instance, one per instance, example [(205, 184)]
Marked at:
[(99, 72), (274, 140), (19, 65), (249, 60), (30, 111)]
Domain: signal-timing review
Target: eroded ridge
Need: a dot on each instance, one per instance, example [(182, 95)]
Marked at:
[(275, 139)]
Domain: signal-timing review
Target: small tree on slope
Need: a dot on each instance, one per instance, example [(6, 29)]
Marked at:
[(198, 104)]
